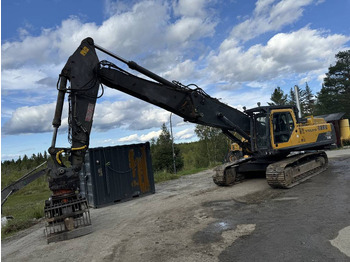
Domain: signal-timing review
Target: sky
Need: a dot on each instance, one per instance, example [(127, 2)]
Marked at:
[(237, 51)]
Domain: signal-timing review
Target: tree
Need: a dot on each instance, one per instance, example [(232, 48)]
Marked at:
[(278, 97), (327, 101), (25, 162), (335, 93), (162, 153), (306, 100), (45, 155), (292, 98), (309, 101), (214, 144)]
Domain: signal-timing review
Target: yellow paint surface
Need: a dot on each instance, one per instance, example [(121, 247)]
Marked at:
[(138, 166)]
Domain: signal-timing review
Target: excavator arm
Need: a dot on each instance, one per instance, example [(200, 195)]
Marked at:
[(193, 105)]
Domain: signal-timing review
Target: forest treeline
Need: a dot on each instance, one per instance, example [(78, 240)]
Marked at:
[(209, 151)]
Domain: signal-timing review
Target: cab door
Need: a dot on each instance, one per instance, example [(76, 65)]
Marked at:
[(283, 125)]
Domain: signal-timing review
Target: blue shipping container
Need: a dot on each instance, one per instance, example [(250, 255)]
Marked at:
[(113, 174)]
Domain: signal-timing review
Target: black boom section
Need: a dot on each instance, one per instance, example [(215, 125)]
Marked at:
[(191, 104), (80, 70), (157, 94)]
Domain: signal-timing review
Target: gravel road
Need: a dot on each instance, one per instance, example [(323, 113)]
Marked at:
[(189, 219)]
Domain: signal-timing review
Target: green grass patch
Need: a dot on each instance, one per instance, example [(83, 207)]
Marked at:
[(25, 206)]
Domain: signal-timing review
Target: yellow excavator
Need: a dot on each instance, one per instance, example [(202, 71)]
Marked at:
[(234, 154), (278, 142)]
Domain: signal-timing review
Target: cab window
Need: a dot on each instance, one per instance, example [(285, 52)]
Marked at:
[(261, 132)]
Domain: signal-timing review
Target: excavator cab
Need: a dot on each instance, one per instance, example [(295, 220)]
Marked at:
[(272, 127)]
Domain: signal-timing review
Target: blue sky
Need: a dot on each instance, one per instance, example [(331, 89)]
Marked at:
[(238, 51)]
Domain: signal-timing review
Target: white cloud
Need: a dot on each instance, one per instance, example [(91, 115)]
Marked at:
[(23, 78), (131, 114), (129, 33), (184, 70), (114, 7), (185, 134), (140, 138), (190, 7), (188, 29), (144, 31), (144, 26), (301, 51), (34, 119), (268, 16), (29, 50), (263, 6), (194, 21), (133, 137)]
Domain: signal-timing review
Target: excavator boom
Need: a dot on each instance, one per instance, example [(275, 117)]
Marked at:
[(85, 73)]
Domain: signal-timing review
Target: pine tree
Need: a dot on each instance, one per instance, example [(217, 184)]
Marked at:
[(302, 99), (327, 101), (309, 107), (278, 97), (335, 93)]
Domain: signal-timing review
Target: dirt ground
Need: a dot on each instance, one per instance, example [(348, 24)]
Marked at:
[(159, 227)]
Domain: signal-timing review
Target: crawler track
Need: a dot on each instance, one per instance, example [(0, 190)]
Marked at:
[(286, 173), (227, 175), (296, 169)]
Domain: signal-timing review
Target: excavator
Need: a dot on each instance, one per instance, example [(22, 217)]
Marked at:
[(287, 148)]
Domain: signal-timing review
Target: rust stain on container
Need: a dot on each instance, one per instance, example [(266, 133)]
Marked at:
[(113, 174), (138, 166)]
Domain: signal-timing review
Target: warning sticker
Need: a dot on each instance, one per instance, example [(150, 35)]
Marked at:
[(89, 112), (84, 51)]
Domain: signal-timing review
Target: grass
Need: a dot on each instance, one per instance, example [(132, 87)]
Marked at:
[(26, 205)]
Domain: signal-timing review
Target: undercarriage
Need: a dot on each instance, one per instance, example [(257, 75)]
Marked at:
[(286, 173)]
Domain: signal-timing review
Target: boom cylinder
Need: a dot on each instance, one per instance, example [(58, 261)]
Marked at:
[(60, 101), (59, 108), (133, 65)]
